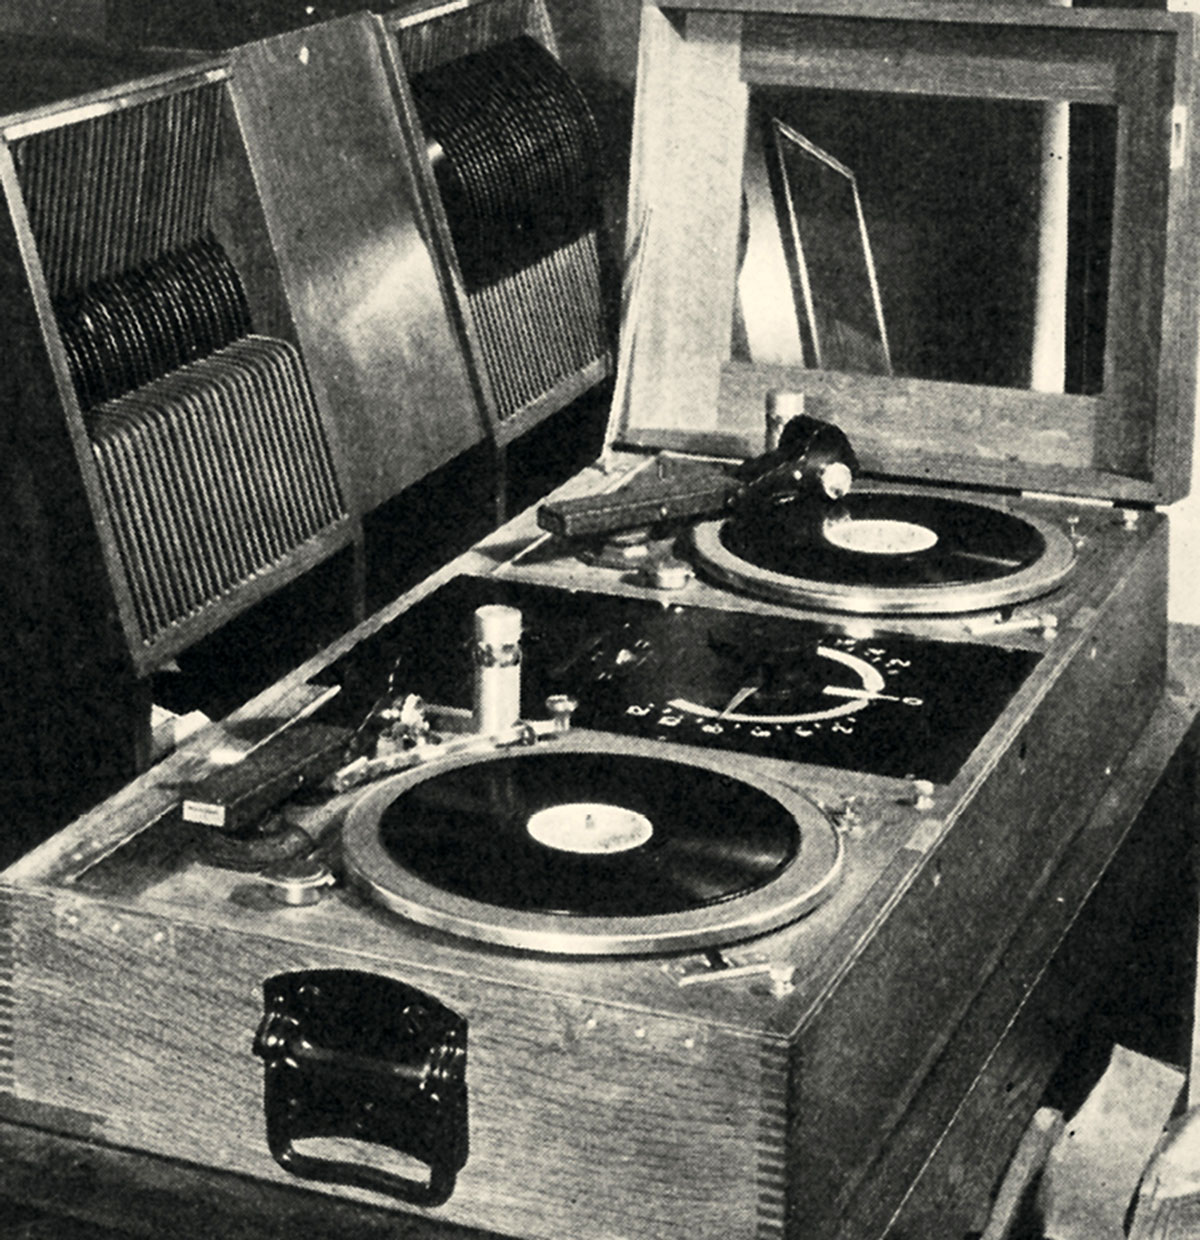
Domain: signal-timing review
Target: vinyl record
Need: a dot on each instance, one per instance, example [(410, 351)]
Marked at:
[(888, 551), (516, 156), (589, 834), (591, 845), (129, 329)]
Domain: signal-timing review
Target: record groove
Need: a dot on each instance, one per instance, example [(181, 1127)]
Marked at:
[(591, 845), (888, 552)]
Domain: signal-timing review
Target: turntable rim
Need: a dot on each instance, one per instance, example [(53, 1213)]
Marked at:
[(930, 599), (809, 879)]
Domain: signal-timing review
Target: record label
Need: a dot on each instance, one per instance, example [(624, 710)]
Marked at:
[(880, 537), (590, 827)]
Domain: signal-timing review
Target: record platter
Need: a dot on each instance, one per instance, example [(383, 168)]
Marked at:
[(595, 849), (893, 552), (799, 534), (682, 855)]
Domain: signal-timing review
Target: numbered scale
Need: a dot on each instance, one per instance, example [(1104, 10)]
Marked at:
[(773, 686)]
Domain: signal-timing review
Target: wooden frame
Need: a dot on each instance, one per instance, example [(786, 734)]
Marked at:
[(699, 61), (340, 266), (612, 1094), (49, 395), (734, 1112)]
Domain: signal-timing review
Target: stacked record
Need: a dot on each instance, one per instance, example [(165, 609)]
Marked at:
[(213, 473), (516, 156), (211, 456), (129, 329), (543, 324)]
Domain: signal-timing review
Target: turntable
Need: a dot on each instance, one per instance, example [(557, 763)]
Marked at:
[(685, 883), (906, 552)]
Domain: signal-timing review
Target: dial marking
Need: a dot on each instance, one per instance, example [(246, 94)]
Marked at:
[(870, 690), (746, 691), (849, 691)]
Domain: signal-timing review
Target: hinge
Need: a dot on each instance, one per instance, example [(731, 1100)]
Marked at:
[(1179, 123)]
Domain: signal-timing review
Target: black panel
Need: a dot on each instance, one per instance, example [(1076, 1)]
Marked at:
[(769, 685)]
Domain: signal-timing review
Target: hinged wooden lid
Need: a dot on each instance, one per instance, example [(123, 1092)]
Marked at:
[(954, 121)]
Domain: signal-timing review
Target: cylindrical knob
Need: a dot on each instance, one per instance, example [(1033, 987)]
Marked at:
[(299, 881), (667, 574), (497, 625), (497, 668), (921, 794), (561, 707)]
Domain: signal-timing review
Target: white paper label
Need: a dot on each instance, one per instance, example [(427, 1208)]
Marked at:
[(590, 827), (204, 812), (880, 537)]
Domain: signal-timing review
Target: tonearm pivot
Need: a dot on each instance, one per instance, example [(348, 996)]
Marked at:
[(416, 732)]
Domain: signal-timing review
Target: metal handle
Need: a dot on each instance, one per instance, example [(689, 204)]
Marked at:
[(356, 1056)]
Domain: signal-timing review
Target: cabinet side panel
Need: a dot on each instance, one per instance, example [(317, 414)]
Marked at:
[(352, 243), (73, 722), (587, 1118), (864, 1055)]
